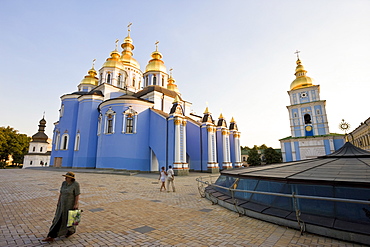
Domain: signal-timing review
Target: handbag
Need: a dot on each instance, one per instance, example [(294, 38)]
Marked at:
[(74, 217)]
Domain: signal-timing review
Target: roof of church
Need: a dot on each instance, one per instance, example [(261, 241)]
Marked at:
[(350, 165), (157, 88)]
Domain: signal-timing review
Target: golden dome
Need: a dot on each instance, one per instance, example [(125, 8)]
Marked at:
[(156, 64), (301, 80), (171, 85), (90, 78), (127, 54), (114, 61)]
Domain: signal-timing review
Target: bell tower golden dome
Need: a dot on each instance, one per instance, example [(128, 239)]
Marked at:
[(301, 80)]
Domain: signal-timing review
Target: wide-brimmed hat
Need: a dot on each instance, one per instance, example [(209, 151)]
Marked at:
[(69, 175)]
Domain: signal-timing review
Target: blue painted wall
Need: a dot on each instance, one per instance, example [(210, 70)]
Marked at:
[(288, 152), (193, 145)]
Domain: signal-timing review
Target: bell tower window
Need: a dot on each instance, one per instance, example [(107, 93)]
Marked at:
[(307, 119)]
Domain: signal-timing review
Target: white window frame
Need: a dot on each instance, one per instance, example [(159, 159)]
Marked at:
[(64, 142)]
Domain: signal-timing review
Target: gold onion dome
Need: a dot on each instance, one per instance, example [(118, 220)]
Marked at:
[(301, 80), (91, 77), (171, 85), (156, 64), (126, 57), (114, 61)]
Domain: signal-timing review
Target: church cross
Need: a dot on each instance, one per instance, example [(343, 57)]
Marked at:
[(297, 52), (129, 27), (156, 45), (117, 40)]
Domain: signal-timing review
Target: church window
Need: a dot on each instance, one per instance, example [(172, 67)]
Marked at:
[(64, 143), (40, 149), (99, 124), (162, 81), (34, 149), (318, 112), (109, 78), (101, 78), (146, 81), (133, 82), (119, 83), (57, 142), (154, 80), (31, 162), (307, 119), (129, 121), (61, 111), (109, 122), (77, 142), (295, 114), (129, 125)]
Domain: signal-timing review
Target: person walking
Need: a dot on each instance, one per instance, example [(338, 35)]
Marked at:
[(170, 178), (162, 177), (68, 200)]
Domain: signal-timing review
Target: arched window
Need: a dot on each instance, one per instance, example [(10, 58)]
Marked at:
[(133, 82), (307, 118), (162, 81), (109, 121), (99, 124), (119, 83), (129, 121), (154, 80), (108, 78), (40, 149), (57, 142), (77, 142), (33, 149), (101, 78), (64, 142), (61, 111), (295, 114), (31, 162)]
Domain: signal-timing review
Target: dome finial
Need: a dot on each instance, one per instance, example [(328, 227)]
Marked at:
[(129, 28), (117, 40), (156, 45), (297, 52), (93, 64)]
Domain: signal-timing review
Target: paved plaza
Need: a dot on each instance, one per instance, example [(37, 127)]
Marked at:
[(121, 210)]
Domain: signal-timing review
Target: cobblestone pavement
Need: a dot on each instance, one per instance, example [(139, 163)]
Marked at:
[(131, 211)]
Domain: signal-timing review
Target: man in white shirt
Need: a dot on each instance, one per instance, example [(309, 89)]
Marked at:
[(170, 178)]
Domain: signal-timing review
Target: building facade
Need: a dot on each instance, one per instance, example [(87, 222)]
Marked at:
[(310, 136), (127, 119), (360, 137), (39, 149)]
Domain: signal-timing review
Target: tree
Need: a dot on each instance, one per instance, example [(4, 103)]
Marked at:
[(14, 144), (254, 158), (272, 156)]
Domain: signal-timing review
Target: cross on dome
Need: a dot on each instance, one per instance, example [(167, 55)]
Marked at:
[(297, 52)]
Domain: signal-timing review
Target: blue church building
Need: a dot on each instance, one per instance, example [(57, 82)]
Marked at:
[(310, 136), (126, 119)]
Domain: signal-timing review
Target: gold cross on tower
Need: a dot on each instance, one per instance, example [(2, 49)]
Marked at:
[(129, 27), (156, 45)]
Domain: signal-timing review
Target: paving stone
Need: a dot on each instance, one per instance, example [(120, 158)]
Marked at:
[(131, 211)]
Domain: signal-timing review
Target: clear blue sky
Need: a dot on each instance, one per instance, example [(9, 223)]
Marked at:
[(236, 57)]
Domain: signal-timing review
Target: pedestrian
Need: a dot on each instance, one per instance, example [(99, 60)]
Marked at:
[(170, 178), (68, 200), (162, 177)]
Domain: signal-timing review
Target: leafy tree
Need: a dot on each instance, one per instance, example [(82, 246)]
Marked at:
[(254, 158), (14, 144), (272, 156), (263, 146)]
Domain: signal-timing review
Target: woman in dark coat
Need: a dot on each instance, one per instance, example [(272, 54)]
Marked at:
[(68, 200)]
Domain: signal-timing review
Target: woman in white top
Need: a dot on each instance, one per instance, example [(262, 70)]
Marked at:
[(162, 177)]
